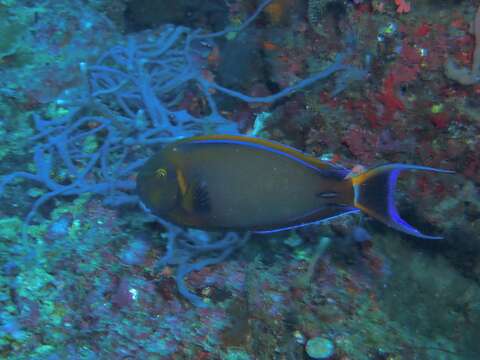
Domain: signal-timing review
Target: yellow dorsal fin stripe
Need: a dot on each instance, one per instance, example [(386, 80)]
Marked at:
[(267, 143)]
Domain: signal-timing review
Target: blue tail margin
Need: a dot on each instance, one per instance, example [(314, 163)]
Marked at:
[(374, 192)]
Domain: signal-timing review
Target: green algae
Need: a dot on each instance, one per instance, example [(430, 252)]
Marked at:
[(44, 350), (32, 281), (55, 111), (10, 228), (235, 354), (10, 33), (15, 22)]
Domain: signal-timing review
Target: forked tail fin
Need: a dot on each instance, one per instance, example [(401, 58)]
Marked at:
[(375, 195)]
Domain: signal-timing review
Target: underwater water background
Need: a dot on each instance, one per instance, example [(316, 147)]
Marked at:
[(91, 89)]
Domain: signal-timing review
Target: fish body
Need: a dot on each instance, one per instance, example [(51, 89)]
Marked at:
[(239, 183)]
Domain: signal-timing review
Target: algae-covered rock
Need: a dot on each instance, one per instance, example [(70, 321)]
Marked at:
[(320, 348), (10, 228), (10, 34), (14, 22)]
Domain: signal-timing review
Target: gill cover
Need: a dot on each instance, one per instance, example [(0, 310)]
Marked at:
[(158, 185)]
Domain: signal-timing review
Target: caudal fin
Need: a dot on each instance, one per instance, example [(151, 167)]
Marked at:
[(375, 195)]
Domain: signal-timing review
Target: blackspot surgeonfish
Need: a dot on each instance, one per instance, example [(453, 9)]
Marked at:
[(224, 182)]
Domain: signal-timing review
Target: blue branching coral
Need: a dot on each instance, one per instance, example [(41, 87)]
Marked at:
[(132, 98), (192, 250)]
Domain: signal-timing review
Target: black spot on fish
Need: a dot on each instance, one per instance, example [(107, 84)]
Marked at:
[(201, 197)]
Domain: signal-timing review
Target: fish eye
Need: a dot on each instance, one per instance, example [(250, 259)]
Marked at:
[(161, 173)]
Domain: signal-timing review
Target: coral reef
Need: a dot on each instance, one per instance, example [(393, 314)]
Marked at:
[(86, 274), (466, 76)]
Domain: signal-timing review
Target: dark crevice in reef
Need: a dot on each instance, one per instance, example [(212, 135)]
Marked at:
[(211, 15)]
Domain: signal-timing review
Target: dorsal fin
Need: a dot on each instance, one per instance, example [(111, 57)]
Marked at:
[(272, 146)]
